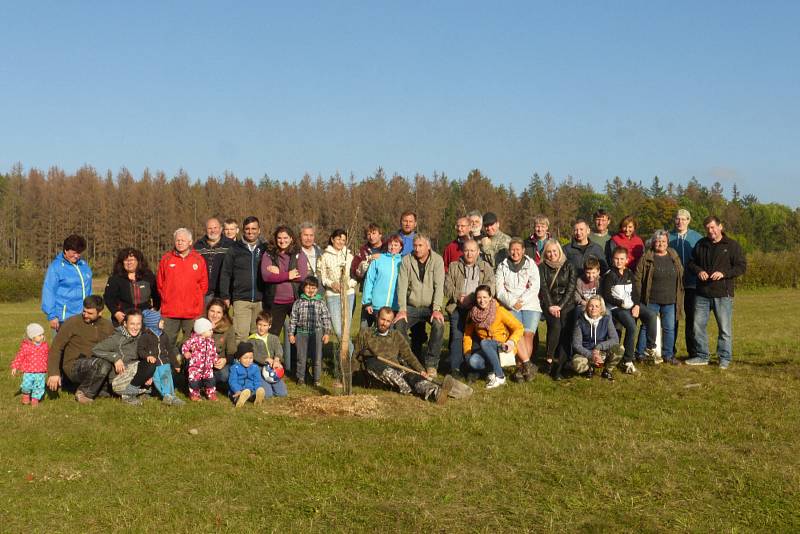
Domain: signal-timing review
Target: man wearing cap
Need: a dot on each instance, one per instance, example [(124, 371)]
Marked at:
[(494, 247), (71, 352)]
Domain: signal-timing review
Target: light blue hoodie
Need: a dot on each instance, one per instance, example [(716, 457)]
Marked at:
[(684, 246), (380, 282)]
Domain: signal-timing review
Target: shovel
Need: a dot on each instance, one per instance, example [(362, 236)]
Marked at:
[(450, 387)]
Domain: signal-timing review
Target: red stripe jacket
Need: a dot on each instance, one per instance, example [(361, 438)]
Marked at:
[(182, 283)]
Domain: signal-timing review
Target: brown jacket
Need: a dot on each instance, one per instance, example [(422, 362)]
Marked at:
[(75, 338), (454, 280), (644, 278)]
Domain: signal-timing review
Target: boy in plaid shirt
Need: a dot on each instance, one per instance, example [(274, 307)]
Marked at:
[(310, 318)]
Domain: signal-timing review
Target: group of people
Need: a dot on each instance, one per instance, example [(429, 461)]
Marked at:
[(227, 299)]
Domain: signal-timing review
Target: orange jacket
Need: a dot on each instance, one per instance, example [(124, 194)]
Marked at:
[(504, 327)]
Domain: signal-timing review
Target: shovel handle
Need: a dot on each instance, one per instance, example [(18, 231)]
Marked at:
[(390, 363)]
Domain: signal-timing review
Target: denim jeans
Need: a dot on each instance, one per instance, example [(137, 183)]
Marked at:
[(335, 309), (302, 343), (528, 318), (667, 314), (723, 313), (628, 322), (420, 316), (458, 319), (487, 356), (688, 311)]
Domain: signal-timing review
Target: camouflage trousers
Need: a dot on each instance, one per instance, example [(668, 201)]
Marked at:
[(404, 382), (580, 363)]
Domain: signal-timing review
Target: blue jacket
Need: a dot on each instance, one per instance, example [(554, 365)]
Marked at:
[(587, 337), (380, 283), (242, 377), (684, 246), (65, 286), (408, 242)]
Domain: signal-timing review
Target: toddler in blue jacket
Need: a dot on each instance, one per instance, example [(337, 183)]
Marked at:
[(245, 379)]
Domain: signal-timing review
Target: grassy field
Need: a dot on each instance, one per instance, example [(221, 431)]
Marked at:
[(670, 449)]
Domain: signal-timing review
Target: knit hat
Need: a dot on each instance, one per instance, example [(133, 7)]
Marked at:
[(243, 348), (202, 325), (151, 318), (33, 330)]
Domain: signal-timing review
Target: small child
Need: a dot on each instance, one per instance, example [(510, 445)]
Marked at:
[(595, 342), (245, 377), (31, 359), (200, 353), (155, 348), (588, 284), (310, 319), (267, 353)]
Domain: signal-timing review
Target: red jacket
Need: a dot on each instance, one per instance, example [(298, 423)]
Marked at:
[(452, 252), (634, 245), (31, 358), (182, 283)]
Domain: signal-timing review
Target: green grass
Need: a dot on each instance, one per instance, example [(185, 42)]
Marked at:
[(644, 453)]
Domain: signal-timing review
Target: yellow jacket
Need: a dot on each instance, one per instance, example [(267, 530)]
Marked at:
[(504, 327)]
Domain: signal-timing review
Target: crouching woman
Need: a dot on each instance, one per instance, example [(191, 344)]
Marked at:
[(595, 342), (495, 329)]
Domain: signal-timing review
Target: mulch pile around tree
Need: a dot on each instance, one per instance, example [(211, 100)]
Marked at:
[(329, 405)]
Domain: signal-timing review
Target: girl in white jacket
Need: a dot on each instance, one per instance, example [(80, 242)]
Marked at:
[(334, 261), (517, 283)]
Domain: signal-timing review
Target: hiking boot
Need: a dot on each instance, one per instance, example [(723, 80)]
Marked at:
[(607, 375), (528, 371), (629, 368), (517, 377), (81, 397), (26, 398), (242, 399), (260, 394), (495, 381), (697, 360), (34, 402), (131, 400)]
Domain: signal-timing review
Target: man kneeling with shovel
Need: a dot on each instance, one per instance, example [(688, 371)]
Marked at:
[(387, 357)]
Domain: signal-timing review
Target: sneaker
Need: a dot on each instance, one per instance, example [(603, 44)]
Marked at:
[(697, 360), (528, 371), (34, 402), (195, 397), (607, 375), (629, 368), (131, 400), (81, 397), (260, 394), (651, 356), (317, 383), (26, 399), (495, 382), (723, 364), (242, 399), (672, 361)]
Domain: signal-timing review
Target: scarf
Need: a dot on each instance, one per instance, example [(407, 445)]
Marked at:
[(559, 262), (484, 318), (516, 267)]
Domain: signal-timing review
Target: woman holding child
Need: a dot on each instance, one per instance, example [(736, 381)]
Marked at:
[(224, 338)]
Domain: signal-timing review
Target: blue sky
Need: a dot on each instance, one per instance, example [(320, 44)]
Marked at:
[(587, 89)]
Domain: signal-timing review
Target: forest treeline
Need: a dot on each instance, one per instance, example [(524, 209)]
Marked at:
[(38, 209)]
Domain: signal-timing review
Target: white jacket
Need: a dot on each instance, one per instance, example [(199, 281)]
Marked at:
[(329, 269), (522, 285)]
